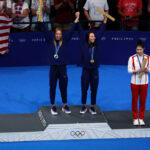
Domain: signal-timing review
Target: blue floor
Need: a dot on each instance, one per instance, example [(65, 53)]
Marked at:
[(25, 89), (117, 144)]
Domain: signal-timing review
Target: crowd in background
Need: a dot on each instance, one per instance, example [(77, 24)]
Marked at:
[(130, 14)]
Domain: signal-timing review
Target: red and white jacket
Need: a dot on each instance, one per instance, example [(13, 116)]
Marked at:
[(133, 64)]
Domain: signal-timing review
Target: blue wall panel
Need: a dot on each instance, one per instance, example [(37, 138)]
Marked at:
[(30, 49)]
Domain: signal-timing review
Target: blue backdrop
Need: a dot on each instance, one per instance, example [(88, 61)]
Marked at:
[(31, 49)]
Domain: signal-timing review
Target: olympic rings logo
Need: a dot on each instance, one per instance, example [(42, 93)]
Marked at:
[(77, 134)]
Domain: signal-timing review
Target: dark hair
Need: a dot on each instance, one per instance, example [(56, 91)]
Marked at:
[(140, 43), (87, 38)]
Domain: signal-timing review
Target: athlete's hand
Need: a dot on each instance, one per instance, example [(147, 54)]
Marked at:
[(145, 70), (138, 70), (141, 70), (77, 14)]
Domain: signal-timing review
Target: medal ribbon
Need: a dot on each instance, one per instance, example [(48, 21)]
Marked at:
[(92, 53), (57, 47), (139, 61)]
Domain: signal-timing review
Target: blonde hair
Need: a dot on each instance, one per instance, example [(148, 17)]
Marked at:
[(58, 29)]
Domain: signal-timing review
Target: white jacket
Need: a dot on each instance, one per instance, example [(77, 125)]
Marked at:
[(133, 64)]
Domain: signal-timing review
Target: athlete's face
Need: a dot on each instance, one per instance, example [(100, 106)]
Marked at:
[(140, 50), (58, 35), (92, 38)]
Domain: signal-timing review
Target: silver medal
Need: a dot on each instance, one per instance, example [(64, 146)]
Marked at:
[(56, 56)]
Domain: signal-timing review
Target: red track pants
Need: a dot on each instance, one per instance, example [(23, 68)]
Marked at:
[(141, 92)]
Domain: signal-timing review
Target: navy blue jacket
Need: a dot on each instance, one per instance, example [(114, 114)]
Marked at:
[(85, 54), (63, 49)]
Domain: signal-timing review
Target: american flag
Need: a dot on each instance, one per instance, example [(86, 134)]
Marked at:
[(5, 25)]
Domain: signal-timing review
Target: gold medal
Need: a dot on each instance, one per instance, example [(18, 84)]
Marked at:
[(92, 61)]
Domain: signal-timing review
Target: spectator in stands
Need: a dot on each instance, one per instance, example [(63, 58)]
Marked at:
[(64, 9), (20, 10), (5, 25), (130, 10), (91, 12), (5, 7), (28, 1), (2, 5), (149, 14), (52, 12), (45, 13), (78, 7)]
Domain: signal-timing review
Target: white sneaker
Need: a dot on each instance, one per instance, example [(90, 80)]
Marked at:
[(135, 122), (92, 111), (66, 110), (54, 111), (141, 122), (83, 110)]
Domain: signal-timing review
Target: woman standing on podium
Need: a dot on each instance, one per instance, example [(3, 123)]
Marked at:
[(139, 85), (90, 63), (57, 53)]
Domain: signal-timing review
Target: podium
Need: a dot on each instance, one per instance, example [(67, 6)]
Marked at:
[(42, 125)]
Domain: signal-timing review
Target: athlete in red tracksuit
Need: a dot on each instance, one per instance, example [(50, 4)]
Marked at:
[(139, 86)]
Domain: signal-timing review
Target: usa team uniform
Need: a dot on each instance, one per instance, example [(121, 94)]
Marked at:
[(90, 62), (57, 54)]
